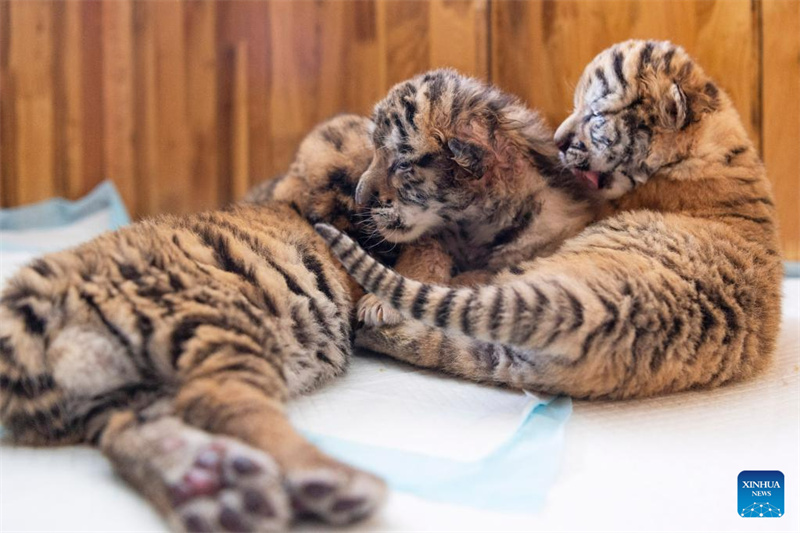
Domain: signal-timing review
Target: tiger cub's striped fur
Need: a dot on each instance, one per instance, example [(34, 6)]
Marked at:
[(156, 340), (678, 287), (470, 167)]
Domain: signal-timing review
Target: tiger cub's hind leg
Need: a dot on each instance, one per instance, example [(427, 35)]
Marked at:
[(249, 406), (198, 481)]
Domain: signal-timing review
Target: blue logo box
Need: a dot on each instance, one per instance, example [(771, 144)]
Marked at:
[(761, 494)]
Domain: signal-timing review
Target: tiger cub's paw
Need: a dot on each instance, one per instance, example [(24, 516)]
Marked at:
[(373, 312), (335, 493), (224, 485)]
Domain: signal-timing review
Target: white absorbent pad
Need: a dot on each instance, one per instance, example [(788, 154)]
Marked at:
[(427, 434)]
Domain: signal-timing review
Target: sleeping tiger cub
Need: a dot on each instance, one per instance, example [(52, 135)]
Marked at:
[(678, 287), (474, 171), (173, 345)]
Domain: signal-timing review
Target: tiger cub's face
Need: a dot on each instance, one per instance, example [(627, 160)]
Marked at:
[(636, 110), (428, 164)]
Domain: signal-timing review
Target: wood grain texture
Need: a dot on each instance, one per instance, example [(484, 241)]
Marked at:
[(781, 93), (31, 65), (186, 103)]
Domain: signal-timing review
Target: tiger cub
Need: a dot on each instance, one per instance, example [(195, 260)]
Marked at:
[(678, 287), (173, 345), (469, 167)]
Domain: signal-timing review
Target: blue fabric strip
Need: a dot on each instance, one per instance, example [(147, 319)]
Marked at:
[(59, 211), (514, 478)]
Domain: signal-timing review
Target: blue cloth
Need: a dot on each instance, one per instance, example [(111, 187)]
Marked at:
[(513, 478), (59, 213)]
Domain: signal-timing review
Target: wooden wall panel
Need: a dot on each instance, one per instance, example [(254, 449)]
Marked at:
[(31, 60), (781, 141)]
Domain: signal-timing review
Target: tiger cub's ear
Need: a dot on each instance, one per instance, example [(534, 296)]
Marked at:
[(674, 109), (468, 156), (684, 103)]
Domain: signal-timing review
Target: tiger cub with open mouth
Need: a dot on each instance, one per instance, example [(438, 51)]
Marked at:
[(678, 287)]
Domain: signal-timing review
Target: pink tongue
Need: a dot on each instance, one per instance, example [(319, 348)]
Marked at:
[(593, 178)]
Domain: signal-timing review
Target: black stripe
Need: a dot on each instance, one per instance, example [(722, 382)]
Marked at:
[(401, 130), (222, 253), (577, 310), (520, 306), (332, 136), (444, 309), (397, 294), (645, 57), (496, 313), (236, 365), (41, 267), (542, 302), (34, 324), (300, 328), (319, 315), (339, 180), (756, 220), (379, 279), (291, 282), (365, 279), (744, 201), (585, 347), (425, 160), (435, 88), (314, 265), (112, 328), (733, 153), (707, 323), (187, 327), (420, 300), (601, 76), (668, 60), (555, 332), (335, 240), (122, 397), (43, 421), (731, 318), (27, 386), (324, 358), (347, 253), (410, 111), (7, 351), (456, 106), (618, 59), (612, 310), (214, 347), (466, 326)]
